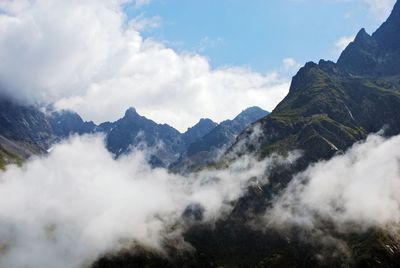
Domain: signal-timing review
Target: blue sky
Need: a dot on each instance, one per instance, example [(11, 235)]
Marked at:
[(259, 33)]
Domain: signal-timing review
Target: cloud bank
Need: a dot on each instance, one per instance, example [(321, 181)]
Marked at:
[(354, 191), (66, 209), (87, 56)]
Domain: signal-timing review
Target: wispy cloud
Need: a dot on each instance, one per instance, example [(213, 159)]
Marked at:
[(343, 42), (290, 65), (141, 3)]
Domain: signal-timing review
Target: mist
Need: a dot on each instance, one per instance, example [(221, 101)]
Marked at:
[(68, 208)]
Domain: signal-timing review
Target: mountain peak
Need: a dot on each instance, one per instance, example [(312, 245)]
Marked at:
[(251, 114), (203, 127), (253, 109), (204, 120), (362, 35), (131, 112)]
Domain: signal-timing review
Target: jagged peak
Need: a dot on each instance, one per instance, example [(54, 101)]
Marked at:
[(362, 35), (205, 120), (131, 111), (307, 73), (251, 110), (309, 65)]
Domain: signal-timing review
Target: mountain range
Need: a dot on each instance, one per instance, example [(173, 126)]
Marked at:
[(27, 130), (208, 148), (330, 107)]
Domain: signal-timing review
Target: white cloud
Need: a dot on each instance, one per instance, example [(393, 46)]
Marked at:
[(290, 64), (141, 3), (66, 209), (343, 42), (141, 22), (208, 42), (355, 191), (380, 8), (81, 55)]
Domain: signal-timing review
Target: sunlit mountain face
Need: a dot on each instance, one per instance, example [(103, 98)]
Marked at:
[(313, 183)]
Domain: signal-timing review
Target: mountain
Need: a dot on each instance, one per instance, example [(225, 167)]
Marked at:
[(208, 148), (203, 127), (326, 111), (225, 133), (27, 130), (167, 145), (134, 130), (65, 123), (332, 105), (375, 55), (329, 107), (24, 131)]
